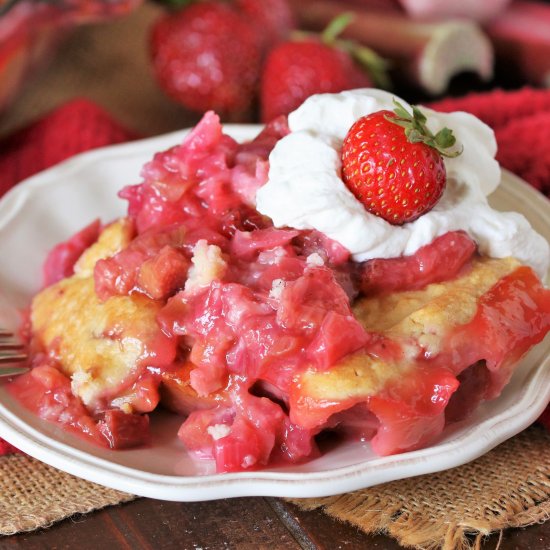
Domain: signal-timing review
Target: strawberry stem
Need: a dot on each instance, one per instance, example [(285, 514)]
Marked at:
[(336, 27), (376, 66), (417, 131), (367, 58)]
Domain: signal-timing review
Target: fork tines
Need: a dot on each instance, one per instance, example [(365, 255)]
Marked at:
[(11, 351), (8, 342), (7, 358)]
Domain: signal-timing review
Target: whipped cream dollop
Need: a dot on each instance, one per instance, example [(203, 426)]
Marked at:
[(305, 189)]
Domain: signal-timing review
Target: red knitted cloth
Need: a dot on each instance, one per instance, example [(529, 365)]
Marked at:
[(73, 128), (521, 121)]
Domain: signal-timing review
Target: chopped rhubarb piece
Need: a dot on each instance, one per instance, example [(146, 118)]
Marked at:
[(521, 36), (338, 336), (241, 437), (206, 155), (438, 261), (251, 167), (142, 397), (294, 443), (243, 218), (47, 392), (61, 259), (314, 242), (195, 433), (210, 376), (244, 448), (173, 315), (412, 414), (124, 431), (163, 274), (178, 395), (148, 208), (246, 245), (306, 301), (124, 272)]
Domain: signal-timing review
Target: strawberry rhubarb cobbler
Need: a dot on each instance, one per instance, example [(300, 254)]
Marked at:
[(341, 272)]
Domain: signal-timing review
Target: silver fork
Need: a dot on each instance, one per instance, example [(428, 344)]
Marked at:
[(12, 355)]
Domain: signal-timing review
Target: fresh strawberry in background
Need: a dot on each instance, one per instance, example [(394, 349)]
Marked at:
[(207, 56), (394, 164), (297, 69)]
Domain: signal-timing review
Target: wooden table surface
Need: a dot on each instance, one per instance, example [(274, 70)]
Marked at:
[(101, 55), (239, 523)]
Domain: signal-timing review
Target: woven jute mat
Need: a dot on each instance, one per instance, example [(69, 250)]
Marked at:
[(508, 487), (455, 509), (34, 495)]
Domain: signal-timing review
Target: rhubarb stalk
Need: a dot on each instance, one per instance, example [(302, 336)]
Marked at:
[(428, 53), (477, 10), (521, 36)]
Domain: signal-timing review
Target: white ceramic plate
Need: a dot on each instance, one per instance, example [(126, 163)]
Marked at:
[(49, 207)]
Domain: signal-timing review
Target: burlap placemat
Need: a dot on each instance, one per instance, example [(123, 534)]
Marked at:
[(508, 487), (455, 509), (34, 495)]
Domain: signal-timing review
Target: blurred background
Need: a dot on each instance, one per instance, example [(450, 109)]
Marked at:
[(156, 66)]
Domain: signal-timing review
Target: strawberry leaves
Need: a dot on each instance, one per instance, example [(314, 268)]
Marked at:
[(417, 131)]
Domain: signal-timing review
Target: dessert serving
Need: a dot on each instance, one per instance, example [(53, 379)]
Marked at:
[(340, 273)]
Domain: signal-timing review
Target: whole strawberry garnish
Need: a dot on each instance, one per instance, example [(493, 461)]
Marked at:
[(394, 165), (207, 56), (295, 70), (273, 18)]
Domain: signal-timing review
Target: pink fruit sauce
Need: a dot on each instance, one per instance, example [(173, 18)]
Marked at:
[(228, 353)]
